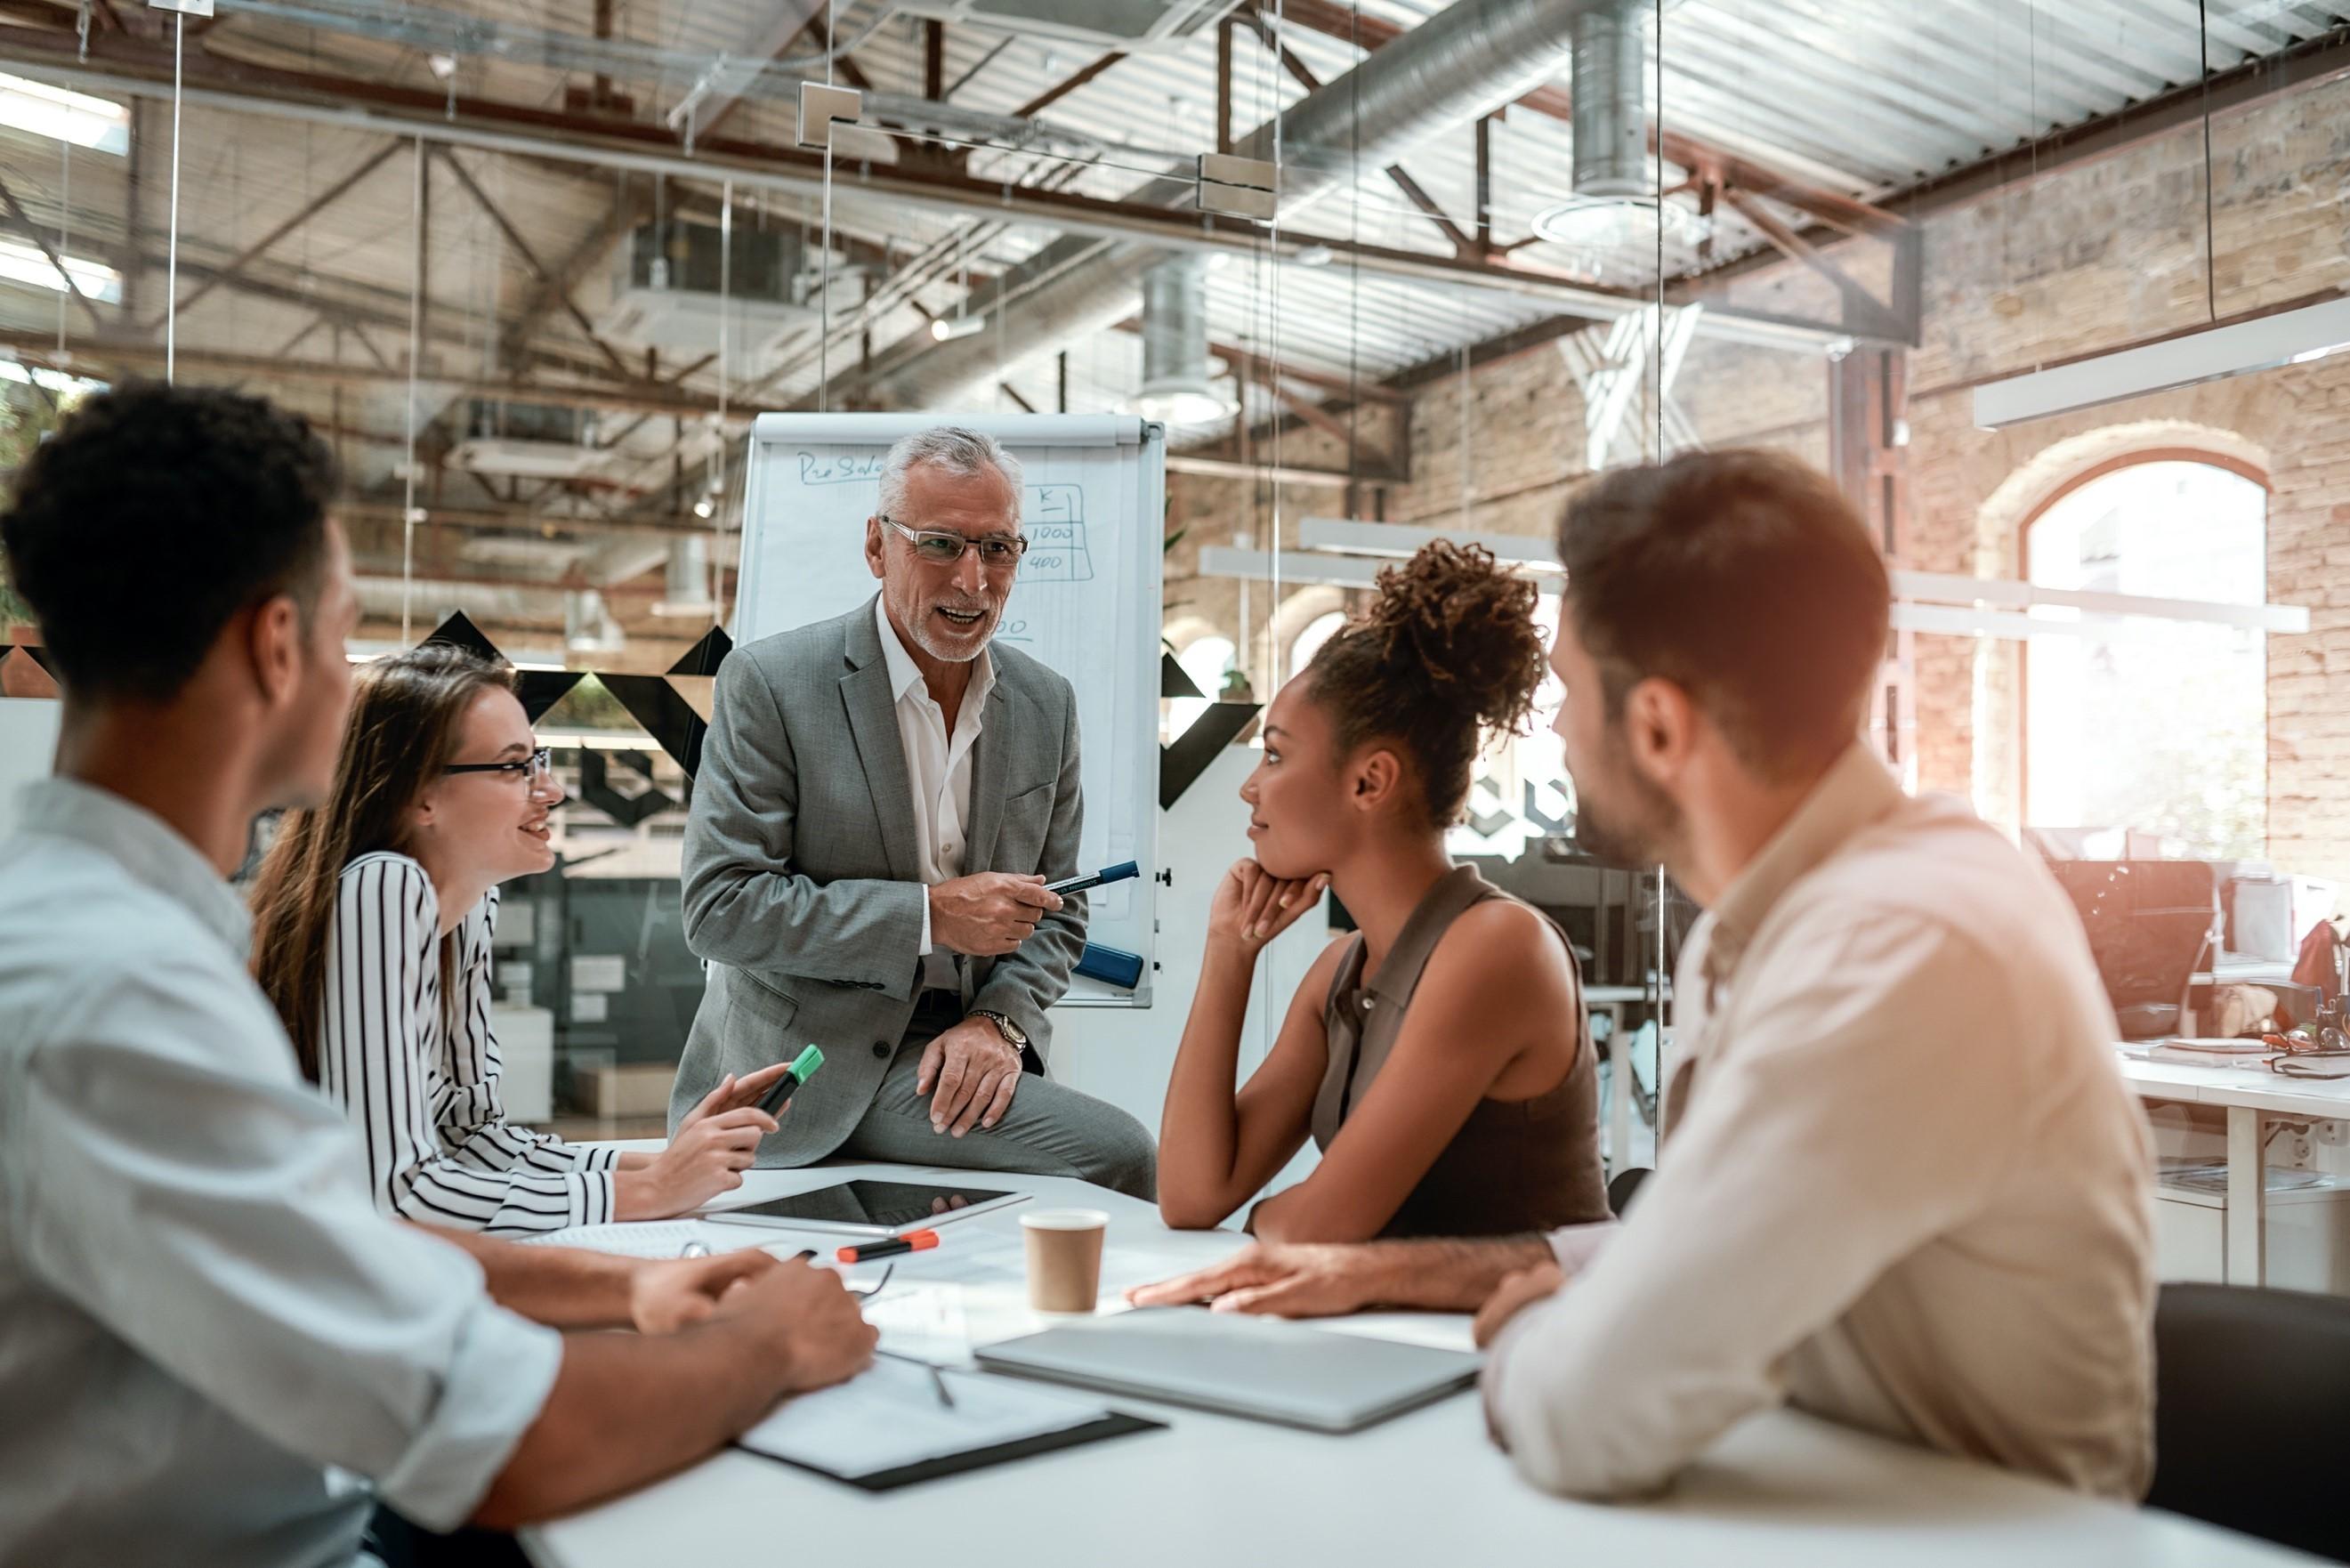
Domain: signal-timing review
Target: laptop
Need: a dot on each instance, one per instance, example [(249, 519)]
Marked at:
[(1263, 1368)]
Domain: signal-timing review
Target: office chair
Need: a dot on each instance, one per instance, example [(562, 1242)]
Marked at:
[(1626, 1183), (2252, 1412)]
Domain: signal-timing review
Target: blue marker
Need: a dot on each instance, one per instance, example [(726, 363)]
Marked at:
[(1118, 873)]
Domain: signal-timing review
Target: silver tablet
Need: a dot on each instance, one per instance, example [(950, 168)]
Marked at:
[(1260, 1368)]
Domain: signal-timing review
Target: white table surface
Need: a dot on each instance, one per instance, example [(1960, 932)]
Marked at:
[(1425, 1488), (2247, 1093), (2254, 1087)]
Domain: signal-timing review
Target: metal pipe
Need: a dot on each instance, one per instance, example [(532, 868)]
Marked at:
[(1610, 101), (1464, 62)]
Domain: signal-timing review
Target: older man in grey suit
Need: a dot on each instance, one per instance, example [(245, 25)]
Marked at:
[(881, 799)]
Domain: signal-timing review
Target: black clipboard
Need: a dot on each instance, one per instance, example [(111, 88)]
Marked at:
[(1116, 1424)]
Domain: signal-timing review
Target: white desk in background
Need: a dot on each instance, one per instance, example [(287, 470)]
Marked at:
[(1612, 1000), (1424, 1489), (2248, 1094)]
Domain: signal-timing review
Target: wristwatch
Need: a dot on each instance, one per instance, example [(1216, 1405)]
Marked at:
[(1013, 1035)]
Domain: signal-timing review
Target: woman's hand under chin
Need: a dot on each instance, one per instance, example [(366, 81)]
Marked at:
[(1251, 906)]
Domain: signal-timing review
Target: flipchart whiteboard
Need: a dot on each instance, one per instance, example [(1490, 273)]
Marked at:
[(1086, 601)]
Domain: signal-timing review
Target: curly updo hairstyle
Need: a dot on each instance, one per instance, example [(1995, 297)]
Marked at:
[(1446, 652)]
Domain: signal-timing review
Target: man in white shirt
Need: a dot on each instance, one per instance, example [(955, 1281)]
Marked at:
[(1902, 1183), (881, 799), (212, 1348)]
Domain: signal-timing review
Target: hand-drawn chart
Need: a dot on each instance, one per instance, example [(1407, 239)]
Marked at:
[(1054, 522)]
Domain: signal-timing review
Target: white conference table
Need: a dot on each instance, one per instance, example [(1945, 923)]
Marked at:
[(2248, 1094), (1425, 1488)]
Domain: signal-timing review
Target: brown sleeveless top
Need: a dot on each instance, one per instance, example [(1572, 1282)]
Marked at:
[(1515, 1164)]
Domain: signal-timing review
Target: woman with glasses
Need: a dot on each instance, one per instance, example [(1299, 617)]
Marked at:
[(373, 918)]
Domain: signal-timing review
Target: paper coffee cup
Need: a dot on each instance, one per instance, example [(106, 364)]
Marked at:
[(1065, 1250)]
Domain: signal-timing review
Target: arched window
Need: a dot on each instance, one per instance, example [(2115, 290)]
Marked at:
[(1206, 661), (1309, 641), (2132, 723)]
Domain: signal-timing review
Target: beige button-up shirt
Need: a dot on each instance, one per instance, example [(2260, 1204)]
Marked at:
[(938, 767), (1904, 1185)]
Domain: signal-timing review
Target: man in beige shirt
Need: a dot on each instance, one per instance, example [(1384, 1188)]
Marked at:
[(1904, 1185)]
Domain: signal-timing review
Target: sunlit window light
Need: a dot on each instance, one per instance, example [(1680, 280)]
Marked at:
[(74, 117), (25, 264)]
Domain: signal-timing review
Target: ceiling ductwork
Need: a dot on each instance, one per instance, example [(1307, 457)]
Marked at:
[(1123, 25), (1611, 101), (589, 624), (1611, 220), (685, 580), (429, 601), (1464, 62), (1176, 385)]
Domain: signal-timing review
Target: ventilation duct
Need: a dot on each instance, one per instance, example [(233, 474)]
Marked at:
[(1176, 386), (1611, 101), (528, 440), (1466, 61), (588, 625), (679, 281), (1612, 219), (429, 601), (1123, 25), (685, 581)]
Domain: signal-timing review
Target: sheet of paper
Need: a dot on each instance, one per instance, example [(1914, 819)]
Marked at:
[(642, 1239), (889, 1416)]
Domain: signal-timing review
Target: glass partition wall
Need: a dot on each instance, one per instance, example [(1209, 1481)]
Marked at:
[(534, 275)]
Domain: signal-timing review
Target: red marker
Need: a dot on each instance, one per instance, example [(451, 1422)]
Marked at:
[(912, 1242)]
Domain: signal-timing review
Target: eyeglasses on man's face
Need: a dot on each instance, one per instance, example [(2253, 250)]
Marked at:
[(944, 547), (533, 767)]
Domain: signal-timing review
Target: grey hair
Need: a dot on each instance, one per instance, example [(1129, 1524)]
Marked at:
[(952, 449)]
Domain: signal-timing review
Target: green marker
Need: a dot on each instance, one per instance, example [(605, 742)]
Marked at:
[(799, 1072)]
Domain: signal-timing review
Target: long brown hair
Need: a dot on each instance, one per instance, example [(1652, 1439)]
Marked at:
[(406, 713)]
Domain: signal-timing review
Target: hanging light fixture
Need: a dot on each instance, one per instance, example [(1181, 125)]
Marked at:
[(961, 323)]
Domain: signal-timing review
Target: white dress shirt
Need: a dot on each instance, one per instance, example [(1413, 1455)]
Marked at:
[(938, 767), (208, 1335), (1903, 1184), (419, 1080)]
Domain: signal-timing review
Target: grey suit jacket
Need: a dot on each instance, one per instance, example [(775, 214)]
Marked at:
[(800, 877)]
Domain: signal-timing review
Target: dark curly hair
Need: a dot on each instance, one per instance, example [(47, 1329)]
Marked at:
[(150, 517), (1447, 650)]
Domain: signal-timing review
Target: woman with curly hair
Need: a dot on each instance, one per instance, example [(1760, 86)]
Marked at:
[(1439, 1057)]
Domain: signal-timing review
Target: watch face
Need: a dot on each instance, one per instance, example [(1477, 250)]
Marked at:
[(1009, 1030)]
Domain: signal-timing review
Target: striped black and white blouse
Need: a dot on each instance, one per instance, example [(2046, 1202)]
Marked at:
[(423, 1094)]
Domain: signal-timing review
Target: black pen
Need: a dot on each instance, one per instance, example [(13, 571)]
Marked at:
[(1117, 872)]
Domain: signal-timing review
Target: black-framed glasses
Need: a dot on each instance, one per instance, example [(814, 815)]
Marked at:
[(943, 547), (533, 767)]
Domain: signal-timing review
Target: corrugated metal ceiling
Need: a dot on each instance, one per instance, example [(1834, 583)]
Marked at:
[(1863, 96)]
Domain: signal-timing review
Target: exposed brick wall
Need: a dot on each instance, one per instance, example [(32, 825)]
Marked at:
[(2085, 258)]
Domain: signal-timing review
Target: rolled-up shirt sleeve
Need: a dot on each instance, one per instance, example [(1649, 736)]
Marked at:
[(1806, 1165), (209, 1207)]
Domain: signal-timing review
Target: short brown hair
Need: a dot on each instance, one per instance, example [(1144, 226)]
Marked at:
[(1746, 578)]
